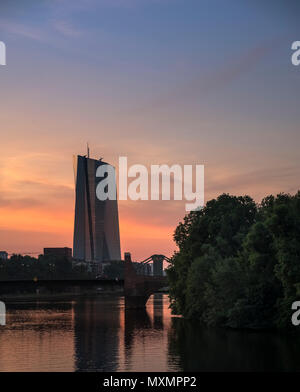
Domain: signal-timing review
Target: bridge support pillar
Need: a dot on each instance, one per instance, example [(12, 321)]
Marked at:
[(138, 288)]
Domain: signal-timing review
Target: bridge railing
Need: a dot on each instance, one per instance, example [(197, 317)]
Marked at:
[(152, 266)]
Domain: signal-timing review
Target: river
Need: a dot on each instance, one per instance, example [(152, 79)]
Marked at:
[(98, 334)]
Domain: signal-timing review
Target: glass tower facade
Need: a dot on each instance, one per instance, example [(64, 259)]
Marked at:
[(96, 226)]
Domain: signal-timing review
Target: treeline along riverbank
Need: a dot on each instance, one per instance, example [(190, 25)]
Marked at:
[(238, 263)]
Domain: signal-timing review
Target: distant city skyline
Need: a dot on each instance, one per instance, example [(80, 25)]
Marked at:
[(158, 81)]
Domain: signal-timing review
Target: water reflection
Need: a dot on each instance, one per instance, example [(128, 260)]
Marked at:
[(203, 349), (96, 328), (99, 334), (145, 339), (37, 337), (158, 311)]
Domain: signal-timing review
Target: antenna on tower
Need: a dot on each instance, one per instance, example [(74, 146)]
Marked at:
[(88, 150)]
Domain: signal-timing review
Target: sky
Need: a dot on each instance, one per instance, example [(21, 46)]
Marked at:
[(159, 81)]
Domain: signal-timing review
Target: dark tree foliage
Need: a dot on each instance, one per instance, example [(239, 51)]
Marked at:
[(44, 267), (114, 270), (238, 263)]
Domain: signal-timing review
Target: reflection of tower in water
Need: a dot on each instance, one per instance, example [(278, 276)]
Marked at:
[(97, 325)]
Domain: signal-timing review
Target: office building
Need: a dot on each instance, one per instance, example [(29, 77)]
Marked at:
[(96, 226)]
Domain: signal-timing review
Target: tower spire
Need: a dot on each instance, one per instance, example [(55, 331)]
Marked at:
[(88, 149)]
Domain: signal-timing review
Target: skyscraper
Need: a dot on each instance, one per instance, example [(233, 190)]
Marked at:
[(96, 226)]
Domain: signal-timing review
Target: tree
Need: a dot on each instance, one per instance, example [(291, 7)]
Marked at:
[(114, 270), (283, 220), (205, 238), (238, 263)]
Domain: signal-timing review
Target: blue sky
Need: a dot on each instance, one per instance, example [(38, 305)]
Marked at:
[(161, 81)]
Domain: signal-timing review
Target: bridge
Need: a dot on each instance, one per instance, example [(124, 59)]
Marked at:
[(138, 283), (137, 286), (58, 287)]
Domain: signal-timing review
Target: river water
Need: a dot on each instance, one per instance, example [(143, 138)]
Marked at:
[(98, 334)]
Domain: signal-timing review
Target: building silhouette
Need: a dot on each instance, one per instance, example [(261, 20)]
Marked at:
[(3, 255), (59, 252), (96, 226)]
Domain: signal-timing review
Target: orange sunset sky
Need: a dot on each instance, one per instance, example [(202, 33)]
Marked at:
[(142, 79)]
